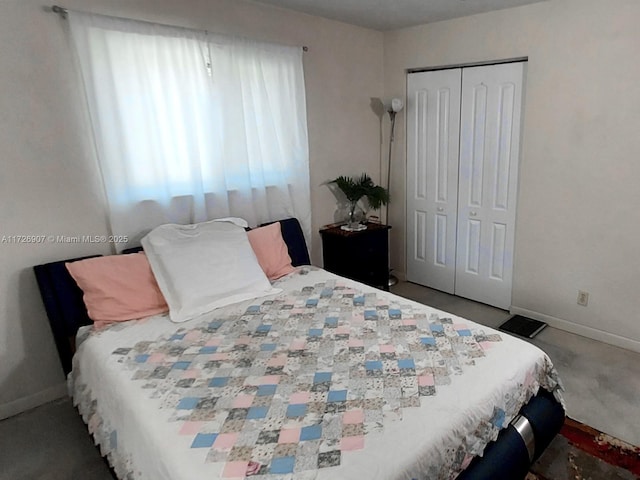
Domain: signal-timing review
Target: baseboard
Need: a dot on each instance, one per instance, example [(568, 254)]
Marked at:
[(592, 333), (27, 403)]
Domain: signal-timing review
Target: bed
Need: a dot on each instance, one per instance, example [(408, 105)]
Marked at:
[(325, 379)]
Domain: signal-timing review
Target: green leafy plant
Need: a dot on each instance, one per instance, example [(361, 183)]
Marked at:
[(354, 188)]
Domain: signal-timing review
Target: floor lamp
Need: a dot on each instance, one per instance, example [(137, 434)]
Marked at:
[(393, 107)]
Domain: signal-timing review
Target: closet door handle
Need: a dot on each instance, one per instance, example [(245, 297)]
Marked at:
[(440, 209), (473, 214)]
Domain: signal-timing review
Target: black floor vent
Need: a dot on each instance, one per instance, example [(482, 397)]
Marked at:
[(523, 326)]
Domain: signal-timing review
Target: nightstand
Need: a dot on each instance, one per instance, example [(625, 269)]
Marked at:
[(362, 256)]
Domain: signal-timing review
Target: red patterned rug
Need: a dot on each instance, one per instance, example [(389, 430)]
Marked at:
[(580, 452)]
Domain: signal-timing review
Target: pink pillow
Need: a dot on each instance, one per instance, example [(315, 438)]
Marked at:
[(118, 288), (271, 251)]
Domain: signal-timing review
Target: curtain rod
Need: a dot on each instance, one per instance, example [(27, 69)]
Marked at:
[(62, 11)]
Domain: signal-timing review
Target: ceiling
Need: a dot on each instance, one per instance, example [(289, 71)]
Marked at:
[(393, 14)]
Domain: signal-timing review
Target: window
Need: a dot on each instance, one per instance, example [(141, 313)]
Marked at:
[(189, 126)]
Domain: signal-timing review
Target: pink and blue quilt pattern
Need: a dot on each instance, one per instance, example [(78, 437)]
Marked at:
[(293, 384)]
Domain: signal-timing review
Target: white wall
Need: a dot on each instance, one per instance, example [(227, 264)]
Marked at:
[(49, 182), (578, 226)]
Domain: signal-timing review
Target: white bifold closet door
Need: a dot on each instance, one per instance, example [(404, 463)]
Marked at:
[(433, 131), (463, 142)]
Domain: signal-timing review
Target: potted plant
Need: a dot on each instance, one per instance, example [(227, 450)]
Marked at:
[(355, 188)]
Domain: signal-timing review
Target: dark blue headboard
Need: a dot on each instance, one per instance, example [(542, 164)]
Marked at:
[(66, 311), (63, 303), (294, 238)]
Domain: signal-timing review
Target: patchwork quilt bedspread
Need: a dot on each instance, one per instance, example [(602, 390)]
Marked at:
[(329, 380)]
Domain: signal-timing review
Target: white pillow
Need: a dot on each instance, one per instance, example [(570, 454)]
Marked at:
[(204, 266)]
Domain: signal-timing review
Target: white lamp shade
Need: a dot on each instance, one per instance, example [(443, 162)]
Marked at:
[(397, 104)]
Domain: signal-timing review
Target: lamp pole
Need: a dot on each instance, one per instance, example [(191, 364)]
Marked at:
[(392, 108), (392, 115)]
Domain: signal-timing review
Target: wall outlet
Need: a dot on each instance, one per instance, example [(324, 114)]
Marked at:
[(583, 298)]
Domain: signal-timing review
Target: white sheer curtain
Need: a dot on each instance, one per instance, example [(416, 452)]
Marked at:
[(190, 126)]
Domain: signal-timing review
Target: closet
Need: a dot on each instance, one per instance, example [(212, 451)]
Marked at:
[(463, 145)]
